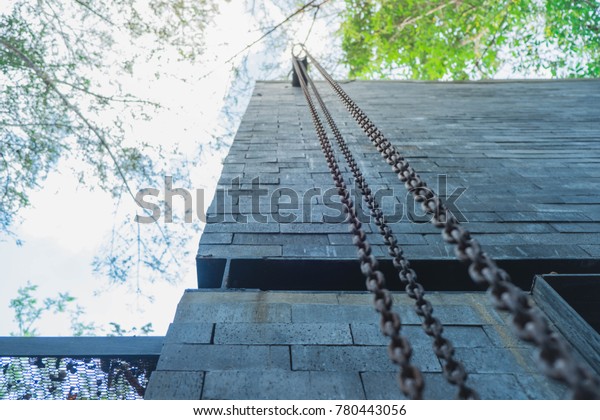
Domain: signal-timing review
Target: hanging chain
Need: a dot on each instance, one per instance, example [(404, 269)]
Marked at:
[(531, 325), (399, 349), (453, 369)]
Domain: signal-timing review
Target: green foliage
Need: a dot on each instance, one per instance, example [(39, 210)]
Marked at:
[(28, 310), (575, 28), (118, 331), (455, 39)]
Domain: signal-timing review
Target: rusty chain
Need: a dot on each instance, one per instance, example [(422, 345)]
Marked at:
[(531, 325), (453, 369), (399, 349)]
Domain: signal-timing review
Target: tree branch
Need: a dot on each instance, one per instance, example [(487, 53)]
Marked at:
[(103, 141), (50, 83), (124, 99), (269, 32), (89, 8), (410, 21), (492, 42), (312, 23)]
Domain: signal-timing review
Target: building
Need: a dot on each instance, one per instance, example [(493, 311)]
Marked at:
[(281, 311)]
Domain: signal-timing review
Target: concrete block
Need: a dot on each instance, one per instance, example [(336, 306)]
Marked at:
[(241, 227), (233, 312), (189, 333), (375, 238), (357, 359), (592, 250), (216, 238), (509, 227), (371, 335), (278, 239), (538, 387), (536, 251), (461, 315), (500, 387), (505, 360), (282, 334), (239, 251), (323, 228), (548, 216), (472, 336), (503, 336), (577, 227), (283, 385), (208, 357), (366, 313), (309, 249), (168, 385), (384, 386)]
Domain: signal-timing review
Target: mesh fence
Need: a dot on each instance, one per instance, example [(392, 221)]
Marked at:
[(66, 378)]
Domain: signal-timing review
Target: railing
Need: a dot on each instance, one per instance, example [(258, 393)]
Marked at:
[(69, 368)]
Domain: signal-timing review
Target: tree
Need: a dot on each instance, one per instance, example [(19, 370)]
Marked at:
[(49, 102), (462, 39), (57, 102), (28, 310), (64, 72)]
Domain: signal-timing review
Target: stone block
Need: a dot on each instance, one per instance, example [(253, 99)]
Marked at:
[(278, 239), (472, 336), (505, 360), (233, 312), (283, 385), (366, 313), (280, 333), (189, 333), (239, 251), (238, 227), (323, 228), (168, 385), (357, 359), (384, 386), (216, 238), (538, 387), (309, 249), (209, 357)]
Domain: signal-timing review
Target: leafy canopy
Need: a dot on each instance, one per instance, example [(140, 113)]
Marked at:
[(465, 39)]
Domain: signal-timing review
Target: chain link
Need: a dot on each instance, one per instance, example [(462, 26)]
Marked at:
[(531, 325), (453, 369), (399, 349)]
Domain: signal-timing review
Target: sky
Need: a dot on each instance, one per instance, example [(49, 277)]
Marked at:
[(67, 224)]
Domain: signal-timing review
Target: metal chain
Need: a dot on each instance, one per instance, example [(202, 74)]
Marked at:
[(531, 325), (453, 369), (399, 349)]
